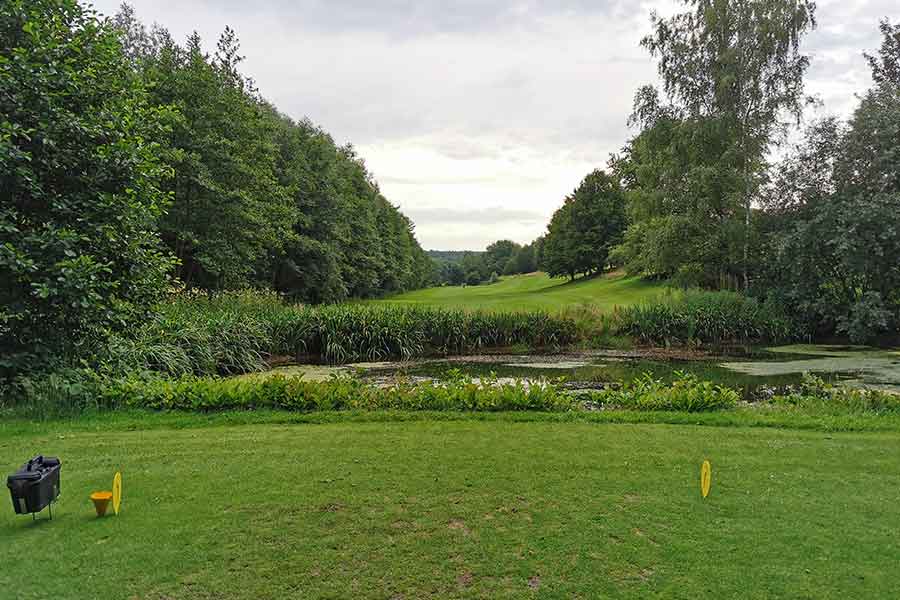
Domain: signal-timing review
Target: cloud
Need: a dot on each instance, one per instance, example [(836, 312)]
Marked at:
[(407, 18), (490, 215), (466, 104)]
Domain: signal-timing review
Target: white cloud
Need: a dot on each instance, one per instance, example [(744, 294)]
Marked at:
[(460, 106)]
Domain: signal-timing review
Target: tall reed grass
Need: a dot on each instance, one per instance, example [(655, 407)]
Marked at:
[(238, 332), (705, 317)]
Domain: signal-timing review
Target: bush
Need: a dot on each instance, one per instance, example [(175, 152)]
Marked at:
[(80, 179), (338, 394), (63, 392), (815, 395), (707, 317), (867, 319), (596, 328), (687, 394)]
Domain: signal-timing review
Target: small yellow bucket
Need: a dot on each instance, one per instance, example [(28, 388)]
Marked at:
[(101, 502)]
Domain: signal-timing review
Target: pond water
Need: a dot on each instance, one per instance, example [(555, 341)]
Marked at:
[(757, 373)]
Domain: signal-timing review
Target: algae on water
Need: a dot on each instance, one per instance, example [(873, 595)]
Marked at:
[(870, 367)]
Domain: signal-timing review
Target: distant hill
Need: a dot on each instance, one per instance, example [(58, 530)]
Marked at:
[(450, 256)]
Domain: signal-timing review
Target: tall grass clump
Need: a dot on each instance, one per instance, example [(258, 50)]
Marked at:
[(596, 327), (238, 332), (706, 317), (201, 334)]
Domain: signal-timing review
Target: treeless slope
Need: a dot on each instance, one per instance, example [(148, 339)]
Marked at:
[(536, 291)]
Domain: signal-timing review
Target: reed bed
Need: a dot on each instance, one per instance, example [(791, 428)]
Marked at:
[(231, 333)]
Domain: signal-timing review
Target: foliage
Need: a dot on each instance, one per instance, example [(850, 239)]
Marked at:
[(261, 200), (347, 393), (76, 391), (80, 183), (237, 332), (498, 255), (731, 72), (683, 182), (706, 317), (584, 230), (503, 257), (686, 393), (835, 226), (815, 395)]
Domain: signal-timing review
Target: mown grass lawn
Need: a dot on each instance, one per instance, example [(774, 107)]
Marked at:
[(536, 291), (459, 509)]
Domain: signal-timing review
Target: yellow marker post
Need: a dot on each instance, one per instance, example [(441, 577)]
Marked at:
[(117, 492), (705, 478)]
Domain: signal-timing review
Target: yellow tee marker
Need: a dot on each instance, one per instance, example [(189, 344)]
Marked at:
[(117, 492), (705, 478)]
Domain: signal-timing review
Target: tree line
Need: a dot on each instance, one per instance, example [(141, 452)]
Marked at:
[(696, 198), (503, 257), (129, 162)]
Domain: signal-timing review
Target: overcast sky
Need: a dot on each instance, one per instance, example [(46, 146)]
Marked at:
[(477, 117)]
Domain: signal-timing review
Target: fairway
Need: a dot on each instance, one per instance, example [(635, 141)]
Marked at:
[(458, 509), (536, 291)]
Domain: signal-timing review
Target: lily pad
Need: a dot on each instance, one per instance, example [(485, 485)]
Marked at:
[(870, 367)]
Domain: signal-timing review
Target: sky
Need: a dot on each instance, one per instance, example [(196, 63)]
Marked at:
[(478, 117)]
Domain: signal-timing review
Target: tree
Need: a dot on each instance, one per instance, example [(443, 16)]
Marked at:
[(586, 228), (498, 254), (474, 266), (229, 217), (80, 181), (740, 64), (683, 184), (261, 200), (525, 260), (454, 274), (835, 203), (559, 245)]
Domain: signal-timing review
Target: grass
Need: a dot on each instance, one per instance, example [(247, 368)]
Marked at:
[(536, 291), (460, 508), (237, 332)]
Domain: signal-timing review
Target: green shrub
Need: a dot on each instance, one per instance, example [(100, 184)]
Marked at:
[(710, 317), (686, 393), (64, 392), (815, 395), (80, 185), (596, 328), (337, 394)]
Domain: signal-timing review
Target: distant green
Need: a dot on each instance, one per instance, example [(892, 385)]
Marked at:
[(536, 291)]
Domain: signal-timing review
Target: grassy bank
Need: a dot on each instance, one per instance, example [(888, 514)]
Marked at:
[(535, 291), (503, 509)]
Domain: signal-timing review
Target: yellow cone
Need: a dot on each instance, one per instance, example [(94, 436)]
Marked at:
[(101, 502)]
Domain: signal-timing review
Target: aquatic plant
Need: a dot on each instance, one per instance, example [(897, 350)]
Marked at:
[(238, 332), (706, 317)]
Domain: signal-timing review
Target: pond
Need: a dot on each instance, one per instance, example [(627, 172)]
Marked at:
[(756, 373)]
